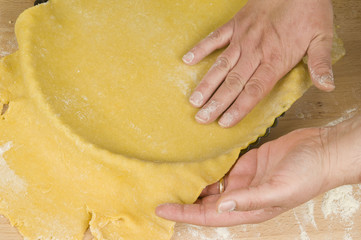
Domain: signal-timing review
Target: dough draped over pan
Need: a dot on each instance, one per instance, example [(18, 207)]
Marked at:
[(97, 129)]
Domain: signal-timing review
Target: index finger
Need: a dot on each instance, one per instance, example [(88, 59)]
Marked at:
[(215, 40)]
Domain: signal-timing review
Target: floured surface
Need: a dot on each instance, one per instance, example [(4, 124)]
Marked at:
[(349, 113), (70, 110), (8, 46), (9, 180), (341, 203)]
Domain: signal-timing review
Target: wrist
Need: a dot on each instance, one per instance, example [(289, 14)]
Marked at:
[(342, 149)]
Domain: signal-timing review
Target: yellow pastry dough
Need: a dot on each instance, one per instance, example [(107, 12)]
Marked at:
[(96, 127)]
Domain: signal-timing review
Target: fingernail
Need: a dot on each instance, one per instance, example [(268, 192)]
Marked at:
[(188, 58), (196, 99), (226, 120), (327, 80), (204, 115), (227, 206)]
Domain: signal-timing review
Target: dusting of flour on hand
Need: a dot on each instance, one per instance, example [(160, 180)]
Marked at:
[(8, 179)]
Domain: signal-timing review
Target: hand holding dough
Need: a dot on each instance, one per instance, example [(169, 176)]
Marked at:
[(264, 40), (278, 176)]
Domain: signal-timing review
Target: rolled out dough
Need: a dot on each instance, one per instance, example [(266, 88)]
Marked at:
[(98, 129)]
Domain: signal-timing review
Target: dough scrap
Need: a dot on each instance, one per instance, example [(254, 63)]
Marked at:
[(98, 130)]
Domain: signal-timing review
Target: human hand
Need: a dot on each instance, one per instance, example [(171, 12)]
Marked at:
[(278, 176), (265, 40)]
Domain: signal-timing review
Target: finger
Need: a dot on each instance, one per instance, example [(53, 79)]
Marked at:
[(210, 199), (215, 75), (253, 198), (207, 215), (215, 40), (211, 190), (320, 63), (254, 91), (231, 87), (240, 176), (214, 188)]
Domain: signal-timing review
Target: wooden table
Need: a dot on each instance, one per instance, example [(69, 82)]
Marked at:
[(315, 108)]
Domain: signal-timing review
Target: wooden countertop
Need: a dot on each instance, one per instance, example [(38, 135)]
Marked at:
[(315, 108)]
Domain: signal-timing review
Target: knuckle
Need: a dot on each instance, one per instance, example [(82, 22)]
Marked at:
[(321, 65), (216, 35), (252, 38), (275, 56), (255, 88), (321, 61), (267, 73), (204, 86), (223, 63), (232, 49), (234, 81), (253, 31), (268, 69), (253, 204), (320, 46), (326, 36), (203, 212), (250, 43)]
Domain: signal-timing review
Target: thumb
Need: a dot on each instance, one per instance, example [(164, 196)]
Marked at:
[(253, 198), (320, 63)]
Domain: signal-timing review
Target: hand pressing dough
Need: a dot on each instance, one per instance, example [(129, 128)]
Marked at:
[(98, 130)]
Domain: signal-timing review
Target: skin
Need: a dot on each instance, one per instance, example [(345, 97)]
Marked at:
[(277, 177), (263, 41)]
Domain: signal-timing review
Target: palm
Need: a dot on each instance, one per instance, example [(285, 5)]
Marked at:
[(266, 182), (288, 164)]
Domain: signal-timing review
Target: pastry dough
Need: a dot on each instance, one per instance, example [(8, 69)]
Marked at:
[(98, 130)]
